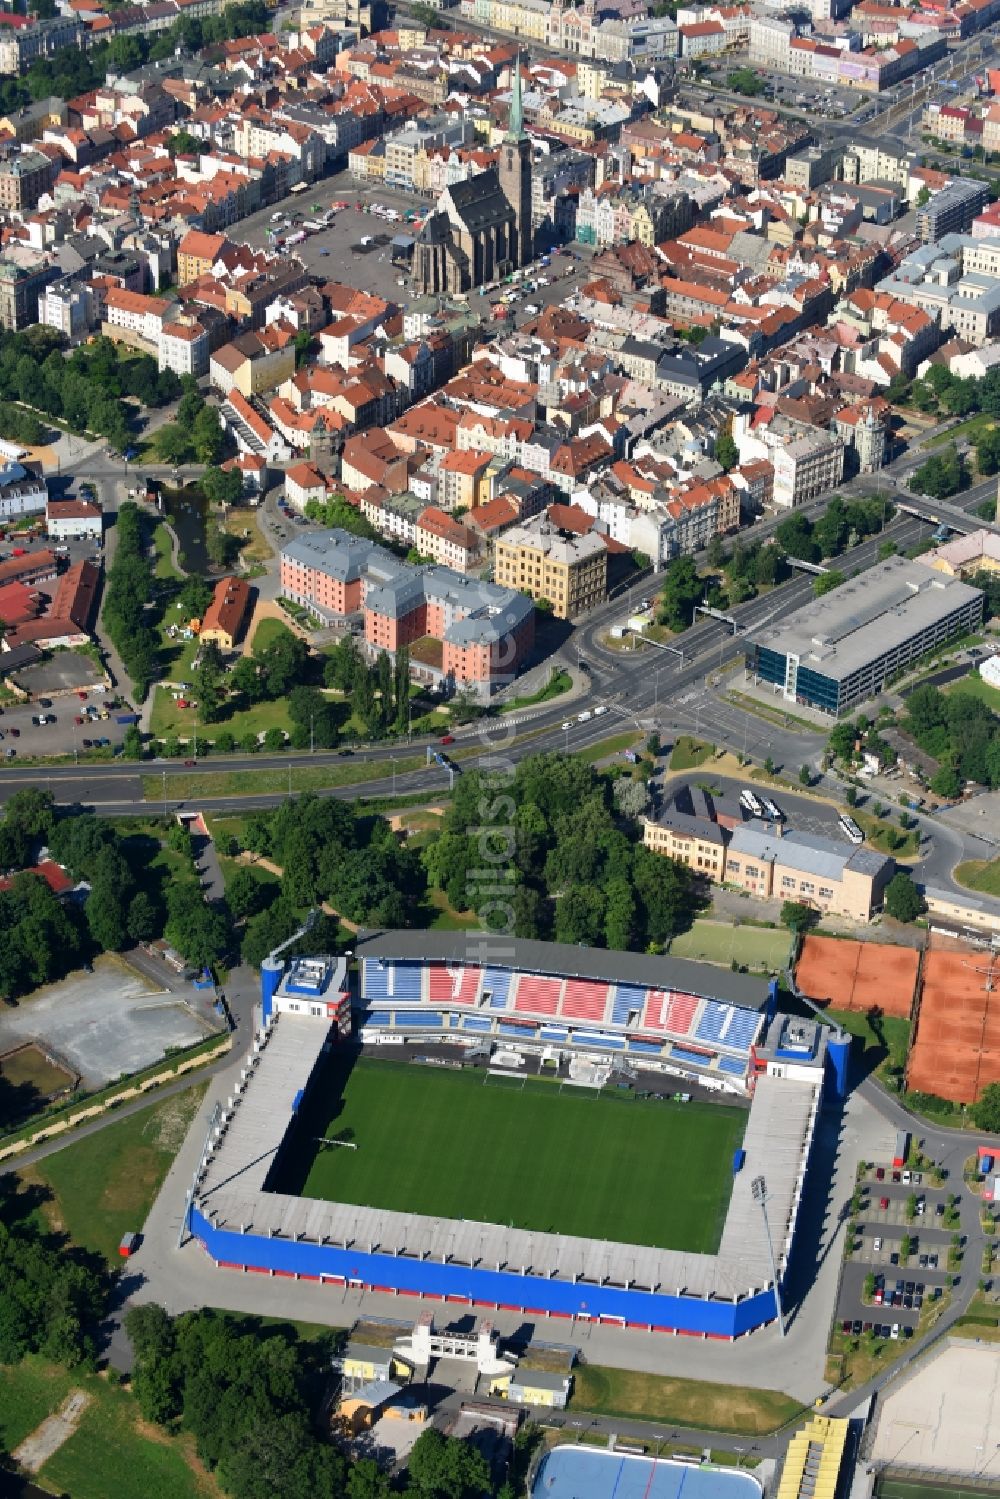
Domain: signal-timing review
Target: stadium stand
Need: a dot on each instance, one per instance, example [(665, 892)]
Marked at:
[(584, 1000), (714, 1021), (496, 983), (537, 996), (457, 986), (628, 1000), (670, 1019), (681, 1013)]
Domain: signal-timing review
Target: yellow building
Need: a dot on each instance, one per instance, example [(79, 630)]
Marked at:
[(813, 1461), (692, 840), (533, 1387), (979, 552), (816, 872), (545, 562), (196, 255)]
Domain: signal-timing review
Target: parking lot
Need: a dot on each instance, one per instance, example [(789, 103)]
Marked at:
[(904, 1285), (337, 252)]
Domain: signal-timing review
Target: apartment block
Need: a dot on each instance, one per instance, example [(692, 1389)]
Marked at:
[(545, 562)]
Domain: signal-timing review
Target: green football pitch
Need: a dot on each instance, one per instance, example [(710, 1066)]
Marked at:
[(455, 1145)]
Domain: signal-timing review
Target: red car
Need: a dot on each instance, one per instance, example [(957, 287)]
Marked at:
[(883, 1203), (81, 694), (189, 763), (447, 739), (78, 720)]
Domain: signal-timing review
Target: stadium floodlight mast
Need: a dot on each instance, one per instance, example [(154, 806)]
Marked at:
[(758, 1189)]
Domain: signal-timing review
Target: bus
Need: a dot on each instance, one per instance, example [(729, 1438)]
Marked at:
[(772, 809), (300, 187), (850, 829), (751, 804)]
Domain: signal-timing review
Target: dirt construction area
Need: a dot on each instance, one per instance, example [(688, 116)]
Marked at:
[(947, 1417), (858, 975), (104, 1024), (956, 1051)]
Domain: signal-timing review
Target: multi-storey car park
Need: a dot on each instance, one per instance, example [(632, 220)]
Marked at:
[(842, 649), (388, 1146)]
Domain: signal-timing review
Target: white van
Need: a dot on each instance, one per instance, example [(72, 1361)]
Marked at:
[(584, 716)]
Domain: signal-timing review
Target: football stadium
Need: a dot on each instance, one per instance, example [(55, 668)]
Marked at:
[(564, 1132)]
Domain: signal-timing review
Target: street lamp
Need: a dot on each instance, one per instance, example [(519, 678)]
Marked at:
[(758, 1190)]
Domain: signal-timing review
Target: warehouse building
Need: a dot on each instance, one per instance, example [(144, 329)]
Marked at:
[(838, 651)]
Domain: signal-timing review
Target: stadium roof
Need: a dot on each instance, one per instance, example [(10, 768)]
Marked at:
[(480, 948), (233, 1194)]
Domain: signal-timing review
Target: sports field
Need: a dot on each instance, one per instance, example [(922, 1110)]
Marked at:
[(450, 1145), (721, 942)]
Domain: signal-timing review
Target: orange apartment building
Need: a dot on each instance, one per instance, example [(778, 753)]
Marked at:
[(469, 633)]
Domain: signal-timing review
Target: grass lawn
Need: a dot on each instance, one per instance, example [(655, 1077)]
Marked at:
[(104, 1185), (875, 1049), (605, 748), (274, 782), (164, 568), (168, 719), (968, 430), (721, 942), (680, 1402), (244, 526), (112, 1451), (176, 655), (974, 686), (558, 683), (879, 833), (980, 874), (268, 630), (29, 1078), (534, 1157), (688, 753), (445, 917)]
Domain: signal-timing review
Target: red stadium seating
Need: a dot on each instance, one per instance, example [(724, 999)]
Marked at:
[(456, 986), (680, 1012), (537, 996), (584, 1000)]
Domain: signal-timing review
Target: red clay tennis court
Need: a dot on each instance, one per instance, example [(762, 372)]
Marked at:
[(858, 975), (957, 1047)]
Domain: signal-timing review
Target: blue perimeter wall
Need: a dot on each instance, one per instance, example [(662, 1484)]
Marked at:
[(494, 1289)]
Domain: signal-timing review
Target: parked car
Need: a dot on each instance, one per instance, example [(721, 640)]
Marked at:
[(190, 763)]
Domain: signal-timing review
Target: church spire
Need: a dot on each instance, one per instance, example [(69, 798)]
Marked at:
[(515, 120)]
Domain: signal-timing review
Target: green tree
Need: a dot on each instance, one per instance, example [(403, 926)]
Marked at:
[(726, 452), (173, 444), (805, 775), (745, 81), (246, 894), (210, 681), (827, 582), (902, 899), (207, 436), (682, 590), (985, 1112), (107, 907), (222, 486), (796, 916), (943, 474), (443, 1467), (946, 782)]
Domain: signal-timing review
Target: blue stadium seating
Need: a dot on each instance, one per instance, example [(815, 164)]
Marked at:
[(592, 1038), (735, 1065), (473, 1022), (524, 1032), (712, 1022), (378, 1017), (376, 979), (498, 982), (431, 1019), (627, 997), (552, 1033), (651, 1048), (695, 1058), (742, 1029), (405, 980)]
